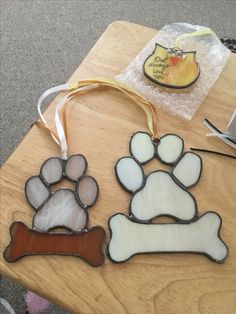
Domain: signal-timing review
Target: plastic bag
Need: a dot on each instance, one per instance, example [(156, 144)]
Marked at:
[(211, 55)]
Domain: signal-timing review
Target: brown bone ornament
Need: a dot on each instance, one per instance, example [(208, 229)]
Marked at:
[(25, 241)]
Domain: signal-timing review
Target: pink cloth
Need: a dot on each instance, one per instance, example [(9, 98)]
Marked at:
[(35, 303)]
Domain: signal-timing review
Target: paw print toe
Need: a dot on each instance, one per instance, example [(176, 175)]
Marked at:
[(52, 170), (188, 169), (87, 191), (141, 147), (62, 210), (36, 192), (75, 167), (170, 148), (129, 174)]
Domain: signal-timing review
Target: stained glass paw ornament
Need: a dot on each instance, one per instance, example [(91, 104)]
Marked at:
[(162, 193), (64, 208)]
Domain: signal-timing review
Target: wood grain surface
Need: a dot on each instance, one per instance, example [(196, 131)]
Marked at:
[(100, 126)]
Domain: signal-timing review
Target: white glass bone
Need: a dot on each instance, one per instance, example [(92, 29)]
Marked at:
[(130, 238)]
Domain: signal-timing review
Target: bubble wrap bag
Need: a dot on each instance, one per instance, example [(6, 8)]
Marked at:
[(211, 55)]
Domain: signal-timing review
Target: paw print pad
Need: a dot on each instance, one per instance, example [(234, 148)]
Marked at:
[(162, 193), (63, 208)]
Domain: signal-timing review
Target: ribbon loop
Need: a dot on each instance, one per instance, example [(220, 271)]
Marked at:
[(84, 86), (205, 31)]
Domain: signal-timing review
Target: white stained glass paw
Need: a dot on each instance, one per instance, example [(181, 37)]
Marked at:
[(163, 193), (63, 208), (170, 148), (141, 147), (129, 173), (129, 238), (162, 196), (188, 170)]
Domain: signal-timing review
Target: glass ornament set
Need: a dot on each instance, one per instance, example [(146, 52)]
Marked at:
[(160, 193)]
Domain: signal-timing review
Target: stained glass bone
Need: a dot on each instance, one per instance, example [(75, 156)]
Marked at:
[(129, 238), (25, 241)]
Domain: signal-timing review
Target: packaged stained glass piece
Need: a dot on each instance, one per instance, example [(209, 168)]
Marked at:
[(162, 193), (172, 68), (211, 56)]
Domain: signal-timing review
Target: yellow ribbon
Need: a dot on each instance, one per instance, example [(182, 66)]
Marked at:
[(143, 103), (193, 34), (79, 87)]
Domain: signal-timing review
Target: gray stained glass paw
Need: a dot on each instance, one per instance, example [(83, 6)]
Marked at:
[(63, 208)]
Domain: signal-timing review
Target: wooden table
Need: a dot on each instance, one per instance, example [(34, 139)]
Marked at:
[(100, 127)]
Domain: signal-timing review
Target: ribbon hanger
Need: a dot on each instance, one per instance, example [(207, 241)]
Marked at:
[(85, 86), (205, 31)]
